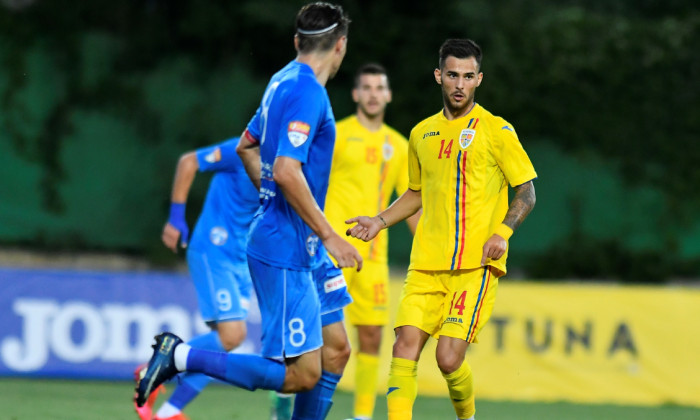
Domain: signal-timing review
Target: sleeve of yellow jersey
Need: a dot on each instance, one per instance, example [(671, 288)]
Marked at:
[(413, 165), (511, 156)]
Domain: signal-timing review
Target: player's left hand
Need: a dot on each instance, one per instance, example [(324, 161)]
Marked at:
[(171, 237), (494, 248)]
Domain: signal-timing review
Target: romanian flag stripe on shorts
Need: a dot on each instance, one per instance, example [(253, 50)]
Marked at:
[(486, 279)]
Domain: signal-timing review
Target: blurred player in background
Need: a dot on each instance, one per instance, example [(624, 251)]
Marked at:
[(369, 164), (461, 161), (286, 150), (216, 258)]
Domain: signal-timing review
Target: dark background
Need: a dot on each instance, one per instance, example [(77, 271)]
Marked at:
[(98, 99)]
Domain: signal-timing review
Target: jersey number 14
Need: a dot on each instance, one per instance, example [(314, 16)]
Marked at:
[(459, 303), (447, 151)]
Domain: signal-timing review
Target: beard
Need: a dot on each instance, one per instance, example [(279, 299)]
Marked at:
[(456, 108)]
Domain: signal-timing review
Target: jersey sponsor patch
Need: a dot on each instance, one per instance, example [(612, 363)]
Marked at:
[(214, 156), (218, 235), (466, 137), (298, 132), (336, 283)]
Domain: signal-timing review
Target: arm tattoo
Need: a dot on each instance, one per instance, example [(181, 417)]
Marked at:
[(521, 205)]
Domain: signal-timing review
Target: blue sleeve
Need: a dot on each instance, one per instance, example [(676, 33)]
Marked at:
[(221, 157), (254, 125), (304, 108)]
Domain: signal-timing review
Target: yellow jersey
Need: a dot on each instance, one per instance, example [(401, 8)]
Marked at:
[(367, 167), (462, 168)]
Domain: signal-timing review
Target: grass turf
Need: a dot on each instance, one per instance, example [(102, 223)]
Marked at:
[(30, 399)]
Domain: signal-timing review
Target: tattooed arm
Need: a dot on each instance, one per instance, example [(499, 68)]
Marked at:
[(520, 207), (522, 204)]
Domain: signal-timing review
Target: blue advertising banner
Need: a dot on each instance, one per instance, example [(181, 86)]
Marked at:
[(80, 324)]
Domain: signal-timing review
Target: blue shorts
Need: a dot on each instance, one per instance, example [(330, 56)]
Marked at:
[(290, 310), (223, 288), (332, 292)]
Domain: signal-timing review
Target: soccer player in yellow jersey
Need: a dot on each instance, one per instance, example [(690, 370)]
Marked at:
[(370, 162), (461, 161)]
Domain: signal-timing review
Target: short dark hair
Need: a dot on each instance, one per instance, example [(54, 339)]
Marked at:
[(319, 25), (460, 48), (369, 68)]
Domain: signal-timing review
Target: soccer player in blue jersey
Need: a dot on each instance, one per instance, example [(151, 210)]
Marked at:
[(290, 164), (215, 256), (218, 265)]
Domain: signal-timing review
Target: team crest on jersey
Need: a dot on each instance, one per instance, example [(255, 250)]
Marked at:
[(387, 151), (214, 156), (466, 137), (218, 235), (298, 132), (312, 244)]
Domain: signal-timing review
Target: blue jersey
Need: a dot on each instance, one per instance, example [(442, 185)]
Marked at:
[(294, 120), (231, 203)]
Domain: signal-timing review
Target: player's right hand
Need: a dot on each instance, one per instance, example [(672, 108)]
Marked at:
[(366, 228), (344, 253), (172, 236)]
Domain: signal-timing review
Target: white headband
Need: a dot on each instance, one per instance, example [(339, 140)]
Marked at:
[(318, 31)]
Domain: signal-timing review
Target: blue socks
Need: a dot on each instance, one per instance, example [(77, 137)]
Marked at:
[(315, 404), (193, 383), (246, 371)]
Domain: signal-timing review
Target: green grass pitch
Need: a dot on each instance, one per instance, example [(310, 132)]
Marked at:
[(30, 399)]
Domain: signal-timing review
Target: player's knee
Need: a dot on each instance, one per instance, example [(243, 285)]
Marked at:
[(308, 382), (370, 338), (336, 356), (405, 349), (448, 362), (375, 337), (302, 380), (232, 337)]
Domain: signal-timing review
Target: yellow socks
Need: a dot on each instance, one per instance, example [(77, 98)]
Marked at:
[(365, 384), (461, 386), (402, 388)]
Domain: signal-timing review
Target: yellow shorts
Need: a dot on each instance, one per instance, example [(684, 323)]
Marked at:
[(369, 290), (451, 303)]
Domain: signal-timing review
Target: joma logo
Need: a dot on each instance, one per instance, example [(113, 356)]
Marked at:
[(431, 134)]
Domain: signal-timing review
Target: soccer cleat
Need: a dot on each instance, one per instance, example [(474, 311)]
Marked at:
[(146, 412), (178, 416), (160, 368)]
